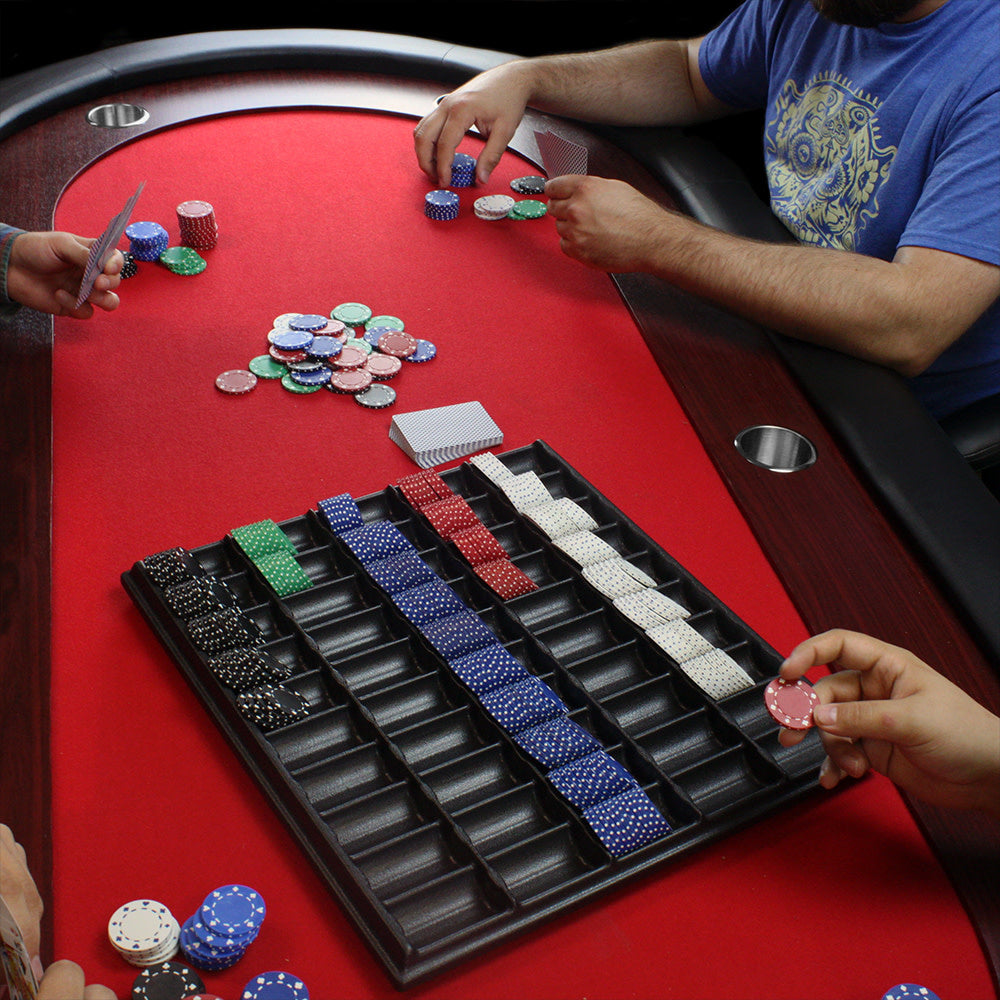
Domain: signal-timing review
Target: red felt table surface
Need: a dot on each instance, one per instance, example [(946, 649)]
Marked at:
[(838, 896)]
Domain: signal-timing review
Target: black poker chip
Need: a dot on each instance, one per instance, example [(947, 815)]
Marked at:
[(272, 706), (245, 668), (172, 566), (197, 597), (130, 268), (168, 981), (532, 184), (224, 629)]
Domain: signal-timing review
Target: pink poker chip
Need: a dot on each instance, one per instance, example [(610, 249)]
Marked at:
[(791, 705), (236, 382)]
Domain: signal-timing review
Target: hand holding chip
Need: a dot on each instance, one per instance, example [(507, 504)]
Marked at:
[(606, 224), (888, 710)]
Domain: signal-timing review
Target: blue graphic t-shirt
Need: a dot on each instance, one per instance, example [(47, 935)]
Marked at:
[(878, 138)]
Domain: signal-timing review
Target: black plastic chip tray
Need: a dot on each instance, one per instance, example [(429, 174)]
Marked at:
[(427, 822)]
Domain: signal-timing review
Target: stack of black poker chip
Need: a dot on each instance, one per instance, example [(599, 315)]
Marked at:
[(197, 597), (272, 706), (244, 668), (130, 268), (172, 566), (224, 629)]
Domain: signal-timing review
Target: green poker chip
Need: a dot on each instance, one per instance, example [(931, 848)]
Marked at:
[(292, 386), (183, 260), (391, 322), (351, 313), (265, 366), (528, 208)]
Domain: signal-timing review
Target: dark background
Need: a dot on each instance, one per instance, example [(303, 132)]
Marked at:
[(34, 33)]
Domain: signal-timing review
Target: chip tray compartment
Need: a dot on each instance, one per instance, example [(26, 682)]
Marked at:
[(436, 832)]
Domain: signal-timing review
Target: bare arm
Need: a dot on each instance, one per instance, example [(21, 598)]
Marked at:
[(646, 83), (901, 313)]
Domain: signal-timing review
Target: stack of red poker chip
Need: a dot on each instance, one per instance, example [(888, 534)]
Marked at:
[(198, 227)]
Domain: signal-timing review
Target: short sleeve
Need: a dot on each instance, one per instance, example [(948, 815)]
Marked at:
[(732, 58)]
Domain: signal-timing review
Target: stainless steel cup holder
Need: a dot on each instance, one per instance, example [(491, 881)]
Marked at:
[(117, 115), (776, 448)]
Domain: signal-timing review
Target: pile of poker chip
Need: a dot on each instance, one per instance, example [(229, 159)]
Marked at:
[(149, 241), (217, 935), (443, 205), (352, 352)]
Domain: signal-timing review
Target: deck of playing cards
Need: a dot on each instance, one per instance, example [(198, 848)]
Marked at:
[(104, 246), (438, 435), (560, 156)]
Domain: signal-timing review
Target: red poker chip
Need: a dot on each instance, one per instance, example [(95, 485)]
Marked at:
[(351, 357), (383, 366), (236, 382), (398, 343), (350, 380), (791, 705), (286, 357)]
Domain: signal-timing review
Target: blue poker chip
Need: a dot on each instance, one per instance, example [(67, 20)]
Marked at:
[(275, 986), (235, 911), (463, 170), (909, 991), (292, 340), (324, 347), (372, 334), (425, 351), (318, 376), (308, 322), (441, 205), (147, 240)]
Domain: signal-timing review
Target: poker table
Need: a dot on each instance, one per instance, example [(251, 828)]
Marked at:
[(117, 445)]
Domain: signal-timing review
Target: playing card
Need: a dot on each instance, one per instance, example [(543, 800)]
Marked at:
[(442, 433), (561, 156), (19, 976), (102, 248)]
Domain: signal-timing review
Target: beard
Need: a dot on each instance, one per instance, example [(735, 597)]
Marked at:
[(863, 13)]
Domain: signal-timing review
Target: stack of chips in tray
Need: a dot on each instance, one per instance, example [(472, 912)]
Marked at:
[(144, 932), (197, 223), (218, 933)]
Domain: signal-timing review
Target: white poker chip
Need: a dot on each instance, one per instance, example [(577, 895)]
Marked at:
[(493, 207), (141, 928)]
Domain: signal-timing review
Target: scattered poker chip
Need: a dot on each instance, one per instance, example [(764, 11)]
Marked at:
[(350, 356), (441, 205), (389, 322), (528, 208), (791, 705), (282, 322), (264, 366), (493, 207), (425, 351), (383, 366), (397, 343), (360, 344), (308, 322), (275, 986), (287, 382), (350, 380), (376, 397), (909, 991), (318, 377), (324, 346), (166, 981), (236, 382), (292, 340), (532, 184), (351, 313), (286, 357), (233, 911)]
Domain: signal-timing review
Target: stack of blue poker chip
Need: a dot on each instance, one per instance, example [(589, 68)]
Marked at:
[(224, 926), (463, 171), (441, 205), (147, 240)]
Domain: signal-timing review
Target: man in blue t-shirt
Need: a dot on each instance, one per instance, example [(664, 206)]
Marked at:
[(882, 138)]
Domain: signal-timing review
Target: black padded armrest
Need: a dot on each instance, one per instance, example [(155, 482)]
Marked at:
[(975, 431)]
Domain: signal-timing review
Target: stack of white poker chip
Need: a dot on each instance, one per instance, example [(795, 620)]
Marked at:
[(144, 932), (493, 207)]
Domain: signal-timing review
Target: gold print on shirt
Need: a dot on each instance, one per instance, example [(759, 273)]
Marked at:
[(825, 164)]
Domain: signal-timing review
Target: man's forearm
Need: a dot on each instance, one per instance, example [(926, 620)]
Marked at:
[(645, 83), (877, 310)]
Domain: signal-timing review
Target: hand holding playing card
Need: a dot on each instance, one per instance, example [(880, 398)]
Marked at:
[(46, 269)]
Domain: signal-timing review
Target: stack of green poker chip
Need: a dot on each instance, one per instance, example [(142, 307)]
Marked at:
[(183, 260), (273, 553), (528, 208)]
